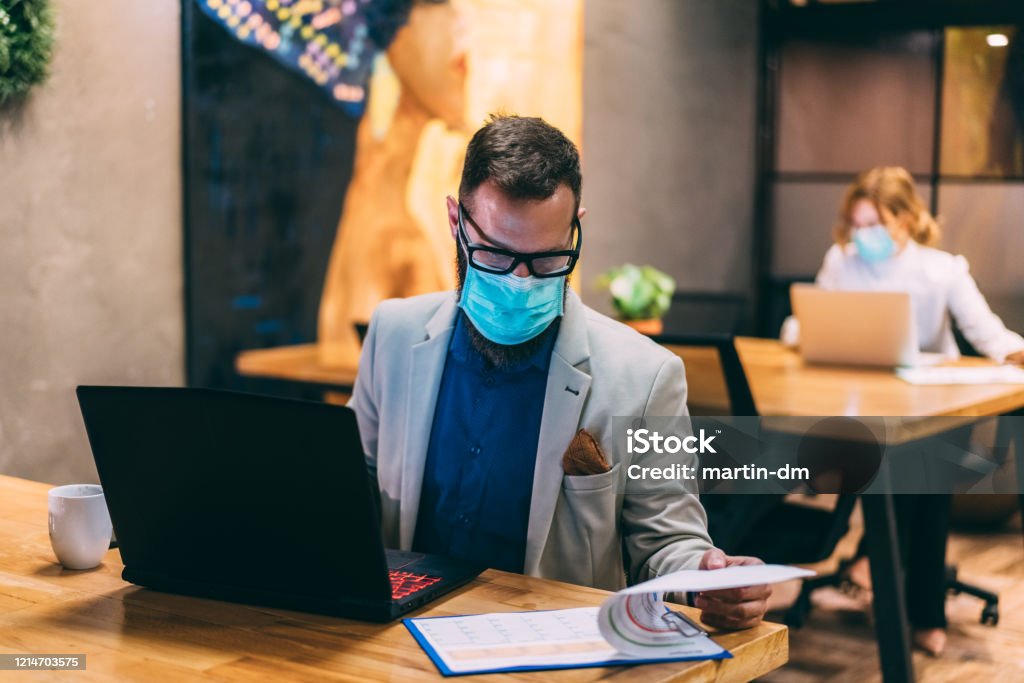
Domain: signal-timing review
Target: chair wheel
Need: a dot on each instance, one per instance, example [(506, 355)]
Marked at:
[(990, 615)]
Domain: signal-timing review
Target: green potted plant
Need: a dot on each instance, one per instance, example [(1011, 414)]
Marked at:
[(26, 46), (640, 294)]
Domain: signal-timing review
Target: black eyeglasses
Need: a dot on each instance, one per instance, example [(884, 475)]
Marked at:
[(502, 261)]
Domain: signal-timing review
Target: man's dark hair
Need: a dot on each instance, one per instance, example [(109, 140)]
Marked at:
[(526, 157)]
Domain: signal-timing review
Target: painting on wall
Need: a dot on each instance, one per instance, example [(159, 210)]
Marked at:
[(331, 42), (447, 69), (294, 273)]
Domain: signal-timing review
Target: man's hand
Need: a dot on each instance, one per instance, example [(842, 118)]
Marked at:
[(731, 608), (1016, 358)]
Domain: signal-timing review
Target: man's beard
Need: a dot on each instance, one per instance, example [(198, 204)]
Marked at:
[(499, 355)]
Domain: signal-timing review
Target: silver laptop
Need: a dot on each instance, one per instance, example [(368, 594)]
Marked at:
[(856, 328)]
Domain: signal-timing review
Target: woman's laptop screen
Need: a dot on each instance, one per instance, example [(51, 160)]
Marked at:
[(855, 328)]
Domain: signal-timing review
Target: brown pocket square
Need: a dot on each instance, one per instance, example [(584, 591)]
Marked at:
[(584, 456)]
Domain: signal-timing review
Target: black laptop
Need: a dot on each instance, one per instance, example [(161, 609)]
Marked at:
[(251, 499)]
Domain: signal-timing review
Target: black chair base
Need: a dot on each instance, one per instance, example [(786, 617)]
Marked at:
[(990, 613), (796, 615)]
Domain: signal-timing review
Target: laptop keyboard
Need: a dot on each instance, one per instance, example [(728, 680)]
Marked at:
[(404, 584)]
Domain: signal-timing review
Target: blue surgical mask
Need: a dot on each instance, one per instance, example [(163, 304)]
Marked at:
[(508, 309), (874, 243)]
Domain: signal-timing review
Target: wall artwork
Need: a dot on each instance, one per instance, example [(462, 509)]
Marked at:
[(447, 65), (332, 42), (448, 68)]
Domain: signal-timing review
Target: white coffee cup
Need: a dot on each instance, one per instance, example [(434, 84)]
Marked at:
[(80, 526)]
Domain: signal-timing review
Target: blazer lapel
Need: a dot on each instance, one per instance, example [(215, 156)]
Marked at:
[(425, 370), (564, 397)]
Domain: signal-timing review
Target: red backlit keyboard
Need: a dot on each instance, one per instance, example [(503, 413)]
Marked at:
[(404, 584)]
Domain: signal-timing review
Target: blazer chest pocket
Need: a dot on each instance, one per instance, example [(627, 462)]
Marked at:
[(590, 482), (592, 503)]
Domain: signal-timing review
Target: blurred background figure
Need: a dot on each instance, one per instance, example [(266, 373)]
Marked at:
[(448, 67), (884, 242), (403, 155)]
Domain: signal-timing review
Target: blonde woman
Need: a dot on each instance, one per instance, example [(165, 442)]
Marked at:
[(885, 242)]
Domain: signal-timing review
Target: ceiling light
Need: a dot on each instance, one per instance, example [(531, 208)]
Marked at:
[(997, 40)]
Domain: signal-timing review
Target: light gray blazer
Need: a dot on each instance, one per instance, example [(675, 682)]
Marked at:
[(588, 530)]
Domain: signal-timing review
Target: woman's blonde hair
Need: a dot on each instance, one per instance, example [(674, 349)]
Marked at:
[(891, 188)]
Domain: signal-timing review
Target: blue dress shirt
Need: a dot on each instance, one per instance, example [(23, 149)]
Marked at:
[(478, 477)]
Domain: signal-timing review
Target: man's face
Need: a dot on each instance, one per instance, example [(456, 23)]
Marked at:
[(521, 225)]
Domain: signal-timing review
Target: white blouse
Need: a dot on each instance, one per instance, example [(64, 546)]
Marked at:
[(939, 284)]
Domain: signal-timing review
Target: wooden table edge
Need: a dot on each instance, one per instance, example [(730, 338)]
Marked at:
[(770, 639)]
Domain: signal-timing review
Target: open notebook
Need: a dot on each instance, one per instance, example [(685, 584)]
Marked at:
[(633, 626)]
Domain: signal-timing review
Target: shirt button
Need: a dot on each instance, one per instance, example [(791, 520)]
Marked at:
[(488, 381), (464, 519)]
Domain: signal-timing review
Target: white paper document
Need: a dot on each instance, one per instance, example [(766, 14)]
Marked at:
[(632, 626), (986, 374), (555, 639)]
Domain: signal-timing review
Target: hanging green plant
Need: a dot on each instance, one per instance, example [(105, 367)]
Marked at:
[(26, 45)]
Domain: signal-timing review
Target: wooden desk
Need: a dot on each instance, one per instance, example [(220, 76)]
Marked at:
[(783, 384), (299, 363), (129, 633)]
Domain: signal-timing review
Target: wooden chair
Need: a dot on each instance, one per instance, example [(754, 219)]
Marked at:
[(761, 525), (715, 378)]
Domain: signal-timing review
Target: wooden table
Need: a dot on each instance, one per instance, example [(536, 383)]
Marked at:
[(300, 363), (130, 633), (783, 385), (781, 382)]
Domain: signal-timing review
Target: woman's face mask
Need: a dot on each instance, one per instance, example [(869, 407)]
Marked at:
[(874, 243)]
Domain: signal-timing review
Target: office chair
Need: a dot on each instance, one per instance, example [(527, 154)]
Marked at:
[(708, 313), (1005, 434), (703, 392), (1009, 436), (797, 614), (750, 524)]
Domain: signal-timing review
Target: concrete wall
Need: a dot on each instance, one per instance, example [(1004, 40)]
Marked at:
[(669, 140), (90, 222), (90, 231)]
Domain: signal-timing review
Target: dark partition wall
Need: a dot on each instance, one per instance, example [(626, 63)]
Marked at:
[(267, 158), (847, 102), (854, 86)]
